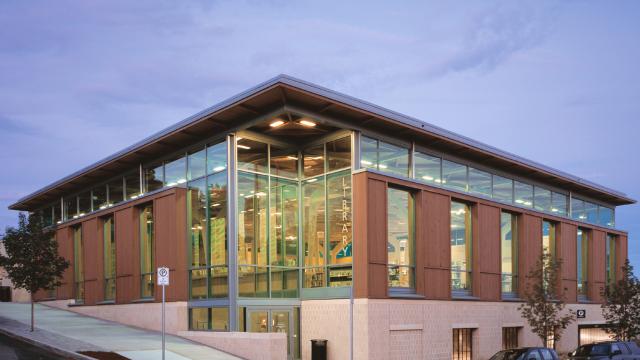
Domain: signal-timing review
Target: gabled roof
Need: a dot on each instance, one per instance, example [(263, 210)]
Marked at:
[(286, 91)]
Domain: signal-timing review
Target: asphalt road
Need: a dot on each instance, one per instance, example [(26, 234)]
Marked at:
[(11, 349)]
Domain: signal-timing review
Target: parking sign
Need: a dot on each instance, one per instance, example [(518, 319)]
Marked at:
[(163, 276)]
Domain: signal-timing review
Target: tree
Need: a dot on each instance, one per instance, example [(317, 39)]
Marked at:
[(31, 259), (543, 307), (621, 307)]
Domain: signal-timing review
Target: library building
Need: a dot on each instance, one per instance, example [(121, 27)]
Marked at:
[(291, 212)]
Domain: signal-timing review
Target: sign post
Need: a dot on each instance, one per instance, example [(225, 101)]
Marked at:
[(163, 280)]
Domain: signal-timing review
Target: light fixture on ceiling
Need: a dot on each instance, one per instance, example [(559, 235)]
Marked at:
[(307, 123), (244, 147), (276, 123)]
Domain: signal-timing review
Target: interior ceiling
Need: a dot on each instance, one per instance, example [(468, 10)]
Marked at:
[(273, 99)]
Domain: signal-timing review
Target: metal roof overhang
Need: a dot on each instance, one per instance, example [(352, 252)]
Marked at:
[(285, 91)]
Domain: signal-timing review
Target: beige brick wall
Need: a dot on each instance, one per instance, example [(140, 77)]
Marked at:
[(420, 329)]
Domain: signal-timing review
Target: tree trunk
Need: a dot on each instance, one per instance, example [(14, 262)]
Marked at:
[(32, 312)]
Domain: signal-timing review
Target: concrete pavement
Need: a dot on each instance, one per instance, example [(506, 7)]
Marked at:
[(73, 332)]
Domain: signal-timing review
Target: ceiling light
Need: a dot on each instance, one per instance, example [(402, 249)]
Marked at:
[(312, 180), (244, 147), (277, 123), (292, 157), (307, 123), (218, 168)]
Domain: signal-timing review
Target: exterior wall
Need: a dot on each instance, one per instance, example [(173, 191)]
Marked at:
[(326, 319), (252, 346), (138, 315), (170, 249), (422, 329), (433, 243)]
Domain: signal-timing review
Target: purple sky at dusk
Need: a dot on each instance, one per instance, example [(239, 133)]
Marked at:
[(558, 83)]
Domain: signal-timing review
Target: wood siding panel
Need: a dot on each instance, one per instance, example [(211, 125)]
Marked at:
[(567, 252), (596, 268), (127, 256), (486, 250), (170, 243), (530, 231), (436, 221), (65, 249), (377, 238)]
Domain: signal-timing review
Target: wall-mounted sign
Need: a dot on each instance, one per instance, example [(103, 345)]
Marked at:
[(581, 313)]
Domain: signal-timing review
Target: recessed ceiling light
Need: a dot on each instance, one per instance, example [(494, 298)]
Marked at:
[(276, 123), (307, 123), (244, 147)]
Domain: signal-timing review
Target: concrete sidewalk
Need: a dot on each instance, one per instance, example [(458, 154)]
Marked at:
[(73, 332)]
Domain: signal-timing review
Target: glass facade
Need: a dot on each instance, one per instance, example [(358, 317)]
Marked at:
[(109, 241), (610, 262), (461, 247), (509, 252), (207, 211), (78, 264), (549, 238), (400, 239), (582, 246), (147, 263), (209, 318), (384, 157)]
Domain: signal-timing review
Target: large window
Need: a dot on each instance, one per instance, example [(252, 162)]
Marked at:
[(480, 182), (326, 215), (427, 168), (461, 245), (209, 318), (384, 156), (454, 175), (509, 253), (207, 202), (549, 238), (462, 344), (582, 247), (146, 252), (78, 264), (400, 239), (109, 241), (610, 263)]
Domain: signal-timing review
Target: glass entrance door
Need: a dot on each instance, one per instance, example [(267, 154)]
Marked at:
[(275, 321), (281, 323)]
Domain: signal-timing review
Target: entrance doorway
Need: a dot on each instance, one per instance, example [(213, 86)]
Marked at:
[(281, 320)]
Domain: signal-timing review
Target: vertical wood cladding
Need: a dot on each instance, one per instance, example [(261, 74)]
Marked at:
[(370, 236), (433, 243), (65, 249), (596, 265), (486, 246), (170, 248), (127, 255), (566, 246), (435, 225), (170, 242), (530, 241)]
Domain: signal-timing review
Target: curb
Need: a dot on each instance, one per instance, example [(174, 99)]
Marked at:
[(57, 351)]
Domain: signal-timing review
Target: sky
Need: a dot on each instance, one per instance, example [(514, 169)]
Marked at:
[(555, 82)]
